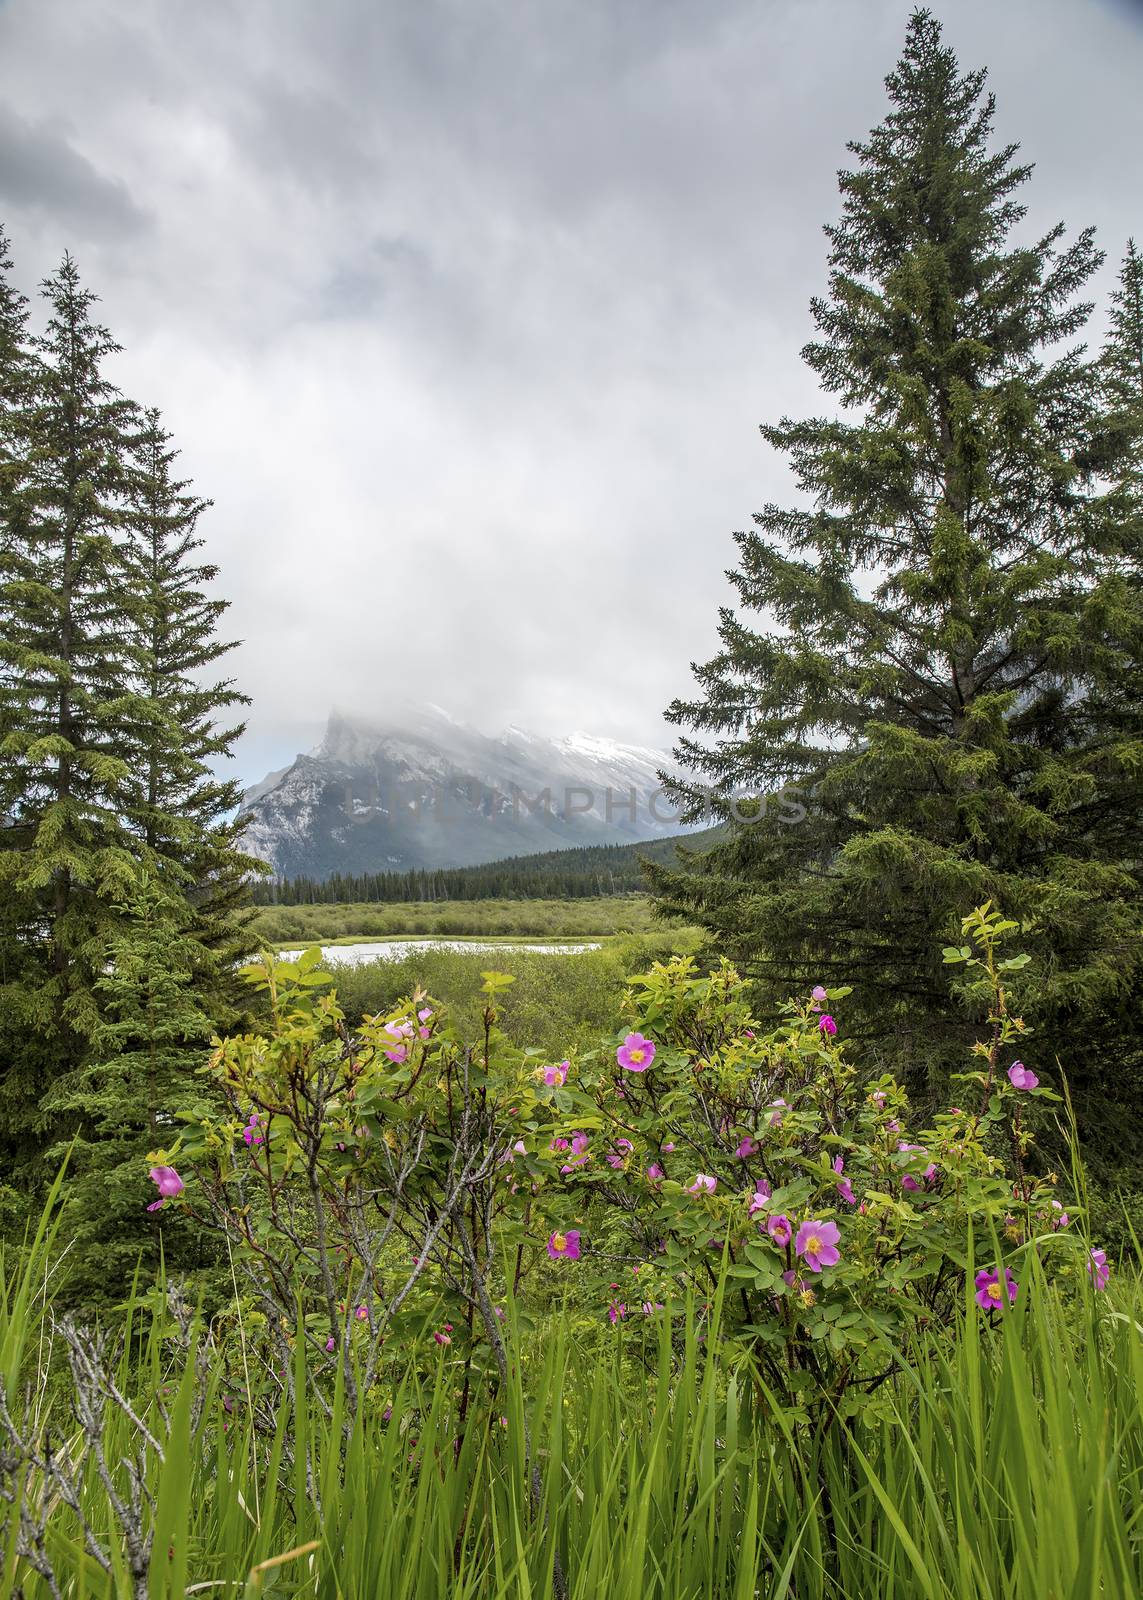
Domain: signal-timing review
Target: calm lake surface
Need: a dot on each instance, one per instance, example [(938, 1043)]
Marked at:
[(352, 955)]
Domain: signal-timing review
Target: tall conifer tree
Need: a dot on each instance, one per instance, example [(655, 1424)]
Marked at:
[(183, 814), (170, 978), (118, 841), (933, 612), (1111, 713), (62, 674)]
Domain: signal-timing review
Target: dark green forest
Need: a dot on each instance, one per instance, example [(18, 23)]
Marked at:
[(580, 872)]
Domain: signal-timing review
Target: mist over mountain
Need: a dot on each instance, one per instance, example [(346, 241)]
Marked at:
[(414, 787)]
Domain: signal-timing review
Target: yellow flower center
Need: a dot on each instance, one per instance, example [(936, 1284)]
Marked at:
[(637, 1055), (559, 1242), (813, 1245), (993, 1291)]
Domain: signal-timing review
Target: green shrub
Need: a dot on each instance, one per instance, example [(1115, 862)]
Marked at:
[(382, 1178)]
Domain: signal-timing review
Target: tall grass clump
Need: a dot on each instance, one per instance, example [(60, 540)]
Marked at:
[(999, 1463)]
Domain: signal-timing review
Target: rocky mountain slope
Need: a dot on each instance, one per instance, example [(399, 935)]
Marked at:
[(418, 789)]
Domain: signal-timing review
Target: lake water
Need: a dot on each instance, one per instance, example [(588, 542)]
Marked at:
[(353, 955)]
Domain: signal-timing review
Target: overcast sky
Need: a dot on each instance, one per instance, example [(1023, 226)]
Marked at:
[(465, 314)]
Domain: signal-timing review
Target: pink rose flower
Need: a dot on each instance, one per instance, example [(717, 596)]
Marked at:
[(169, 1184), (636, 1053), (780, 1230), (990, 1291), (1020, 1077), (761, 1197), (817, 1244)]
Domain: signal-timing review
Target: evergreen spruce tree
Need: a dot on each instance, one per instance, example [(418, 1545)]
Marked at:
[(109, 729), (63, 602), (1110, 714), (170, 977), (184, 817), (935, 614)]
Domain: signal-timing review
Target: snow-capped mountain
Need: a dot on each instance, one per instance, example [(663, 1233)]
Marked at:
[(419, 789)]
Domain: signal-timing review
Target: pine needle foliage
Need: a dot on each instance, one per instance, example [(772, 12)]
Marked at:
[(183, 817), (151, 1039)]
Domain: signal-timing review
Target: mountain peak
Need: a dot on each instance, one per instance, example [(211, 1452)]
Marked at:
[(412, 786)]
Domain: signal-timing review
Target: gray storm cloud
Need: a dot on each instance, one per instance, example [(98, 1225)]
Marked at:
[(465, 315)]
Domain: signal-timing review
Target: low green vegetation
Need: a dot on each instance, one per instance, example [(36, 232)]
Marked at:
[(409, 1382), (558, 919), (555, 1003)]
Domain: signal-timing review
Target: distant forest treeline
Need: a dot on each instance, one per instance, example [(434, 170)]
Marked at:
[(580, 873)]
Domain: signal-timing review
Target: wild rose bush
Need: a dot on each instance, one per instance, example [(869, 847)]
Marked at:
[(357, 1181), (715, 1151), (400, 1183)]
